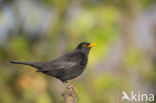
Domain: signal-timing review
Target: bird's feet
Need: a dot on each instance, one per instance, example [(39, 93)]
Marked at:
[(70, 86), (72, 89)]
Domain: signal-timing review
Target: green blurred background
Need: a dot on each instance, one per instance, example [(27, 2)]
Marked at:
[(41, 30)]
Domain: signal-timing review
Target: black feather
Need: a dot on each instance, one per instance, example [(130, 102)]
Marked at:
[(65, 67)]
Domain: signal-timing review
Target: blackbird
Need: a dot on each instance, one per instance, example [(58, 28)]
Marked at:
[(66, 67)]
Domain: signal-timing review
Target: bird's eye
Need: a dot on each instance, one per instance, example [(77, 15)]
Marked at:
[(84, 45)]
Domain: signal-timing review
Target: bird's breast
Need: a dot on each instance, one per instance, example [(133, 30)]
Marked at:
[(79, 60)]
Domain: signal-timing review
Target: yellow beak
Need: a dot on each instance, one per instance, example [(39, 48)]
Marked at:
[(91, 45)]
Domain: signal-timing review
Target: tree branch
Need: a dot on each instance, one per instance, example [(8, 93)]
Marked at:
[(70, 95)]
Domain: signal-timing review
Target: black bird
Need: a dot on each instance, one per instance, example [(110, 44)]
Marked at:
[(66, 67)]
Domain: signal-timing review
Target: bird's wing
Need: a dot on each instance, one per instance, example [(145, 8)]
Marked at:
[(67, 61)]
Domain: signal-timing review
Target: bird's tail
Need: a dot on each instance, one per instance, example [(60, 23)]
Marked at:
[(37, 65), (19, 62)]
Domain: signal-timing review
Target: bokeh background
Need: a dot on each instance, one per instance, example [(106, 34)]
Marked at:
[(41, 30)]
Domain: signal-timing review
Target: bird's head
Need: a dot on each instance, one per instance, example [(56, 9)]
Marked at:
[(85, 46)]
